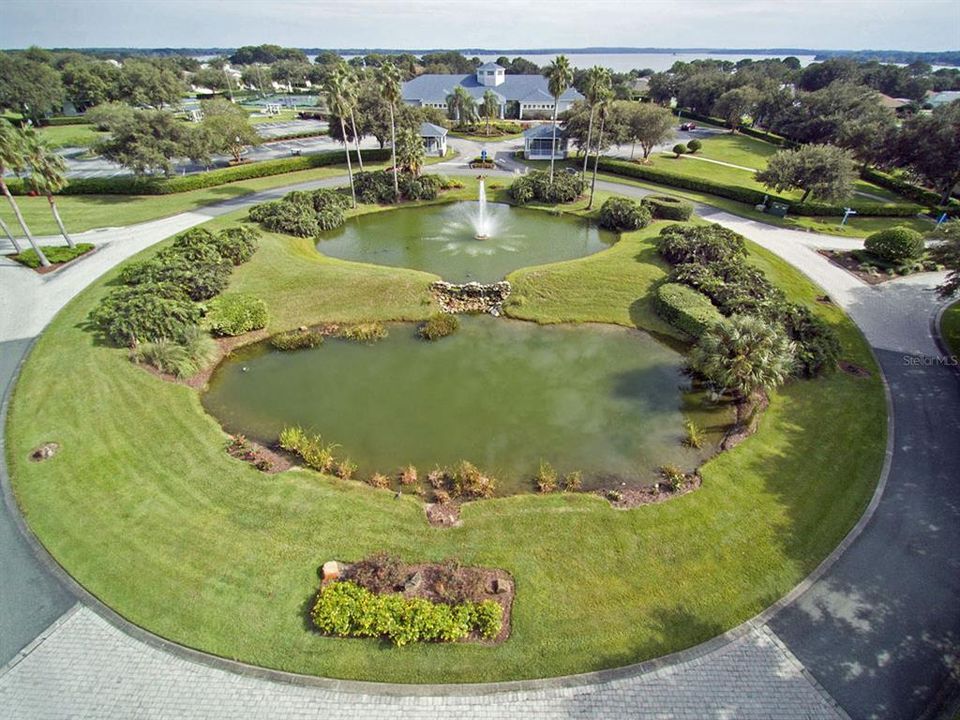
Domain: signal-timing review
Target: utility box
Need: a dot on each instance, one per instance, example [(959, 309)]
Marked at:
[(777, 208)]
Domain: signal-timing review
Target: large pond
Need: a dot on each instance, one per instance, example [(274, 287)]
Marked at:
[(604, 400), (441, 239)]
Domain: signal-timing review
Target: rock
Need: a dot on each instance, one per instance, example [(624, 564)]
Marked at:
[(330, 570), (413, 582), (44, 452), (498, 587)]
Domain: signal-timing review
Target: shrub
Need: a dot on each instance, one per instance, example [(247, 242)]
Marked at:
[(349, 610), (145, 313), (699, 244), (374, 187), (237, 244), (895, 244), (424, 187), (686, 309), (694, 432), (379, 573), (438, 326), (665, 207), (195, 267), (287, 217), (166, 356), (573, 481), (469, 481), (694, 145), (296, 340), (310, 448), (56, 254), (369, 332), (437, 478), (408, 475), (673, 475), (817, 344), (201, 348), (679, 149), (536, 185), (235, 314), (623, 214), (345, 469), (293, 439), (379, 481), (330, 218), (546, 479)]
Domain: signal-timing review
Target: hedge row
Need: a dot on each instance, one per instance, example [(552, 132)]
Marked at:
[(687, 309), (749, 195), (58, 121), (908, 190), (157, 185)]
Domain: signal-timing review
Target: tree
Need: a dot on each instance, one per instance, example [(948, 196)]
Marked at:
[(48, 174), (824, 116), (211, 78), (229, 128), (146, 141), (352, 83), (292, 72), (678, 150), (823, 170), (257, 76), (490, 106), (603, 108), (32, 88), (338, 100), (736, 103), (930, 146), (648, 125), (559, 76), (410, 152), (144, 83), (89, 82), (699, 92), (460, 105), (663, 87), (596, 86), (13, 157), (743, 355), (389, 82), (945, 248)]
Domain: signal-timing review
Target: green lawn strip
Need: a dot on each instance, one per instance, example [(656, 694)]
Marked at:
[(58, 136), (950, 328), (145, 508)]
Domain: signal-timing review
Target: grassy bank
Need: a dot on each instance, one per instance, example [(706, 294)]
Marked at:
[(145, 508)]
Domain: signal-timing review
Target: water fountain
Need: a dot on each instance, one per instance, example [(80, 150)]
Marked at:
[(481, 223)]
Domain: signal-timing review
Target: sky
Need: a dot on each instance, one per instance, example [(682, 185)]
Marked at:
[(496, 24)]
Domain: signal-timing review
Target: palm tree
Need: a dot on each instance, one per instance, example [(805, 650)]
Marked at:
[(47, 174), (352, 82), (491, 104), (559, 76), (743, 355), (12, 158), (389, 83), (338, 99), (6, 231), (599, 82), (603, 105), (460, 105)]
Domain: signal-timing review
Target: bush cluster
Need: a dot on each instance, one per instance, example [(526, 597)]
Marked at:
[(376, 187), (311, 448), (712, 260), (302, 213), (195, 351), (686, 308), (438, 326), (536, 186), (56, 254), (368, 332), (296, 340), (895, 245), (348, 610), (158, 300), (748, 195), (149, 185), (666, 207), (623, 214), (235, 314)]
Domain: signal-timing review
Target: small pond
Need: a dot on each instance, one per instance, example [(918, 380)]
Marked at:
[(441, 239), (607, 401)]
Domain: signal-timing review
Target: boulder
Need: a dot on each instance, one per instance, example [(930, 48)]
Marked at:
[(330, 570), (413, 582)]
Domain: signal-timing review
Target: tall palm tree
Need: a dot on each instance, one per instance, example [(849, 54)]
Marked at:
[(48, 174), (389, 78), (352, 83), (6, 231), (460, 105), (338, 100), (12, 158), (599, 81), (491, 104), (603, 105), (559, 77)]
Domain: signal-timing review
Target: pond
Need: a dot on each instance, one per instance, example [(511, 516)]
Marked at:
[(604, 400), (441, 239)]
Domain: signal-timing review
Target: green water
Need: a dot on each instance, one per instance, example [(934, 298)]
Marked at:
[(440, 239), (503, 394)]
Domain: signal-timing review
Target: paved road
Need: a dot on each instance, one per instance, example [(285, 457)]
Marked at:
[(878, 630)]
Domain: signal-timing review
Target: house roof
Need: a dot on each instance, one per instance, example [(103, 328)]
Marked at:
[(542, 131), (892, 102), (491, 66), (431, 88), (431, 130)]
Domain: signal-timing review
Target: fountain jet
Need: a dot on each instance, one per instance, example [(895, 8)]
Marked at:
[(481, 224)]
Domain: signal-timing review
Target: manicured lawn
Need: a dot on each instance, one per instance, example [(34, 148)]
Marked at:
[(145, 508), (950, 328), (70, 135)]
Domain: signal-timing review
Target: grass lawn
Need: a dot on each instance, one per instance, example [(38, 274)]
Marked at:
[(950, 328), (145, 508), (59, 136)]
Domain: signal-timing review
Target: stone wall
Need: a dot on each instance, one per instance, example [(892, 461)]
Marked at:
[(472, 297)]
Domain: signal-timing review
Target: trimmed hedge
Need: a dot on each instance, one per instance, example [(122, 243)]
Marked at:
[(623, 214), (154, 185), (909, 190), (58, 121), (895, 244), (749, 195), (235, 314), (686, 309), (666, 207)]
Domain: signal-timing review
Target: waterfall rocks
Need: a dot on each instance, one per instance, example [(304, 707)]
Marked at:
[(471, 297)]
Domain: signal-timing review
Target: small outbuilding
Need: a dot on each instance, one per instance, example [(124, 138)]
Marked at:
[(434, 139), (538, 143)]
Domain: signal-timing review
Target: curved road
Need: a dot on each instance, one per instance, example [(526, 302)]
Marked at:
[(875, 635)]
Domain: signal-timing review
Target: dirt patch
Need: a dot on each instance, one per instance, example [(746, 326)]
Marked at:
[(44, 452), (853, 264), (443, 514), (263, 458), (631, 497), (853, 369)]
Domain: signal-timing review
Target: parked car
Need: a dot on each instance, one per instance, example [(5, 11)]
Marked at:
[(688, 127)]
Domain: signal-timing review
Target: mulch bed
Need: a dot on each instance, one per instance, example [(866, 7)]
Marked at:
[(443, 514), (855, 370), (631, 497)]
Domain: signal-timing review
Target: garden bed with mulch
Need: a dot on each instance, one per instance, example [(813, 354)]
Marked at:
[(873, 270)]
